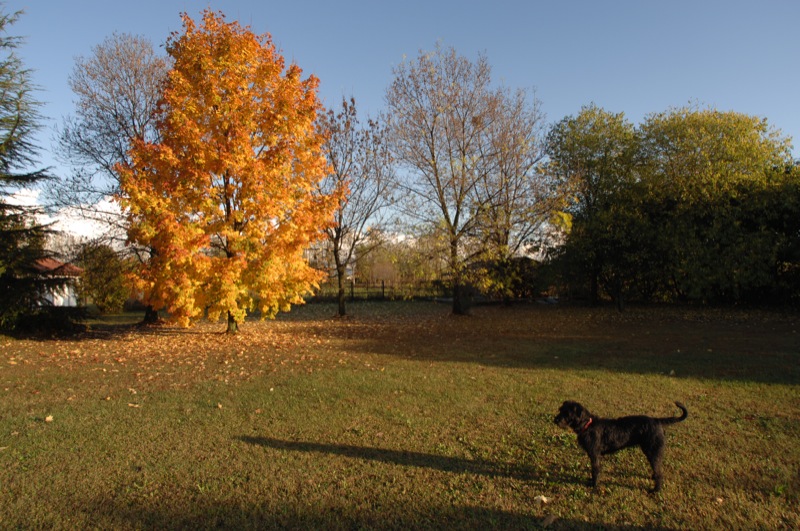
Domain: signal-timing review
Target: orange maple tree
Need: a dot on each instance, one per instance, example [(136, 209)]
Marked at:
[(229, 195)]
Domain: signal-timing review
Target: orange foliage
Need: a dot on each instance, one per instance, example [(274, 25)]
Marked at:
[(228, 198)]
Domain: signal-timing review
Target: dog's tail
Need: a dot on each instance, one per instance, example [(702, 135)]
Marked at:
[(673, 420)]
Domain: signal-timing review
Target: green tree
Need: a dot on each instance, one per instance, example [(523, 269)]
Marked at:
[(21, 236), (718, 181), (592, 158), (783, 209), (103, 280)]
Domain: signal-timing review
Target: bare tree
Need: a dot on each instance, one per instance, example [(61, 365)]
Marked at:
[(117, 90), (361, 163), (516, 197), (442, 110)]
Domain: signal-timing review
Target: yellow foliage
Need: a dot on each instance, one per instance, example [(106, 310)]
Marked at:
[(227, 198), (562, 221)]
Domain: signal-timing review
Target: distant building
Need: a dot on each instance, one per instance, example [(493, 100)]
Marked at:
[(64, 294)]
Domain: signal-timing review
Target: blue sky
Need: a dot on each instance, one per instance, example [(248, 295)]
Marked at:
[(635, 57)]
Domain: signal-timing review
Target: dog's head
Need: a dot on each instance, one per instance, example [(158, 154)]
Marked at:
[(572, 415)]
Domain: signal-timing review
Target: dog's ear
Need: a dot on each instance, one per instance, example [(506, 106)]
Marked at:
[(581, 412), (576, 413)]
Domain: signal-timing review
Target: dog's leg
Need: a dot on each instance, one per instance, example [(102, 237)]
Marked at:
[(595, 459), (655, 455)]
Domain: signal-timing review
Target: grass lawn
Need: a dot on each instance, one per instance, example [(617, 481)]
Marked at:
[(400, 417)]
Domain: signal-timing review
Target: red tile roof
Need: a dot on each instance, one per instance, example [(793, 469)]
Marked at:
[(51, 266)]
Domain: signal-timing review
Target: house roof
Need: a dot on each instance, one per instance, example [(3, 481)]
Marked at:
[(51, 266)]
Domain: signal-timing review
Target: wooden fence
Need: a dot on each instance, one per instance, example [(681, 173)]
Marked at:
[(381, 290)]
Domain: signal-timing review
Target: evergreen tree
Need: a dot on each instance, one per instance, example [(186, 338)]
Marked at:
[(22, 238)]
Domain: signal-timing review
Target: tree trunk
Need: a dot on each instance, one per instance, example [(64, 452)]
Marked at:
[(150, 315), (461, 302), (461, 299), (341, 272), (233, 326), (619, 297), (594, 289)]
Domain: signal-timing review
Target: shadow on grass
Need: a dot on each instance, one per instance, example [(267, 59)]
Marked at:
[(405, 458), (338, 515), (334, 512), (694, 343), (720, 344), (457, 465)]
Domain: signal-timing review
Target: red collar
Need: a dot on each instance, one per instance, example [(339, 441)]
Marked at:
[(586, 426)]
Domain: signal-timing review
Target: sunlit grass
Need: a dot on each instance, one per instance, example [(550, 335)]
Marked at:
[(400, 416)]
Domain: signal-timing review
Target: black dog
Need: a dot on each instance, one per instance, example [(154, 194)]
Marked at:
[(599, 436)]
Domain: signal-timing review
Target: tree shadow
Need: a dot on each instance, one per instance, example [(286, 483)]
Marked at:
[(719, 344), (335, 512), (737, 345), (456, 465), (406, 458)]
